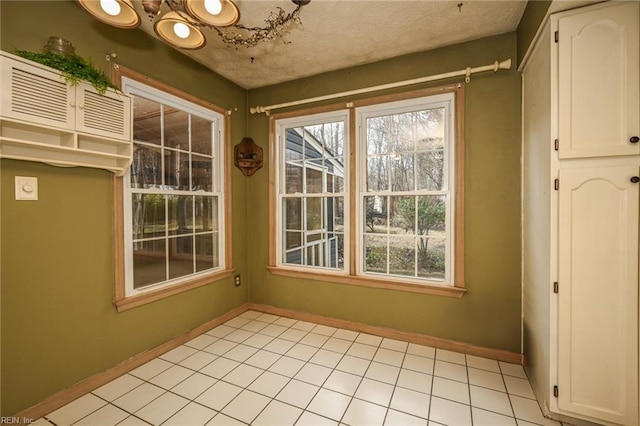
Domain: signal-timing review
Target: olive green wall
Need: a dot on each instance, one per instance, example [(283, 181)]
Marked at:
[(489, 314), (58, 324), (534, 14)]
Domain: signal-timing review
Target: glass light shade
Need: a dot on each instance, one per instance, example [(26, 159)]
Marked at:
[(229, 14), (166, 28), (118, 13)]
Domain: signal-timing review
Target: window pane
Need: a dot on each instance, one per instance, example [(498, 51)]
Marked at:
[(314, 181), (294, 257), (431, 258), (402, 172), (378, 173), (148, 215), (149, 263), (431, 215), (202, 179), (375, 254), (201, 129), (378, 135), (314, 213), (180, 214), (403, 215), (293, 178), (146, 121), (206, 213), (206, 252), (293, 213), (402, 253), (176, 128), (430, 170), (180, 257), (146, 168), (293, 240), (376, 215), (176, 170)]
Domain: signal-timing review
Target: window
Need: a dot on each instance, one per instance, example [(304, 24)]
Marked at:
[(173, 198), (406, 191)]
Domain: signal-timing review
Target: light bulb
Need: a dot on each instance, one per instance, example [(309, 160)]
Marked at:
[(111, 7), (214, 7), (181, 29)]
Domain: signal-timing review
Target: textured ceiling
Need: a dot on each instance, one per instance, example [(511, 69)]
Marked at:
[(337, 34)]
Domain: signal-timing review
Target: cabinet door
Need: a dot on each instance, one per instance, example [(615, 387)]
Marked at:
[(35, 95), (598, 81), (107, 114), (598, 294)]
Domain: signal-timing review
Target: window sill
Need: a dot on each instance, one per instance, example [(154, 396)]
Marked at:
[(386, 283), (151, 296)]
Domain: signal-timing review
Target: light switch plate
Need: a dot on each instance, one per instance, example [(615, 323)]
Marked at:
[(26, 188)]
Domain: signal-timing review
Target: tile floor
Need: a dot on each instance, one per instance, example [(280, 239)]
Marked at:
[(261, 369)]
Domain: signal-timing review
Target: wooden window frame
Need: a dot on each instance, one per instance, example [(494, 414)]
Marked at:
[(122, 302), (350, 277)]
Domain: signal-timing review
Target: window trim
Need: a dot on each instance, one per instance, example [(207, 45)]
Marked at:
[(122, 302), (350, 276)]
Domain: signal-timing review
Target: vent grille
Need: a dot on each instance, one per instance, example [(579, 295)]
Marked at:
[(37, 96), (103, 113)]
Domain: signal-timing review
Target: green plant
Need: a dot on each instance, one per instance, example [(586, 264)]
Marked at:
[(73, 68)]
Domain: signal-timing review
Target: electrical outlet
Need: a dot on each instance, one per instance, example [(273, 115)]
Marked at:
[(236, 280)]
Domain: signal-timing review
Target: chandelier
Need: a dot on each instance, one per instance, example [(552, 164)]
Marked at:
[(181, 25)]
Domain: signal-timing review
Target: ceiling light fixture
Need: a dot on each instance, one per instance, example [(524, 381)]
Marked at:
[(181, 25)]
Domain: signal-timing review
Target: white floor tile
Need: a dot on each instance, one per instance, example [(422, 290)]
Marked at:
[(246, 406), (133, 421), (258, 341), (221, 331), (297, 393), (315, 340), (269, 384), (369, 339), (383, 372), (515, 370), (160, 409), (421, 350), (220, 347), (418, 363), (269, 318), (285, 322), (337, 345), (198, 360), (326, 358), (178, 354), (450, 356), (243, 375), (254, 326), (278, 414), (218, 395), (139, 397), (483, 363), (118, 387), (519, 387), (414, 380), (374, 391), (451, 389), (194, 385), (279, 346), (273, 330), (41, 422), (362, 350), (287, 366), (342, 382), (201, 342), (171, 377), (364, 413), (410, 402), (451, 371), (529, 410), (219, 368), (311, 419), (293, 335), (263, 359), (346, 335), (302, 352), (109, 415), (491, 400), (237, 322), (224, 420), (449, 412), (396, 418), (329, 404), (487, 418), (486, 379), (239, 336), (388, 356), (250, 314), (241, 353), (396, 345), (353, 365), (303, 325), (324, 330), (151, 369), (313, 374)]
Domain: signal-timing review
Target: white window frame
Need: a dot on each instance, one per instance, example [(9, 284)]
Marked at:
[(135, 87), (446, 101), (302, 121)]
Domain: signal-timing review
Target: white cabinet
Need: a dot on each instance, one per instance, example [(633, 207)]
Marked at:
[(42, 118), (581, 110)]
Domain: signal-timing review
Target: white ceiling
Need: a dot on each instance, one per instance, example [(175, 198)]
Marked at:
[(337, 34)]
